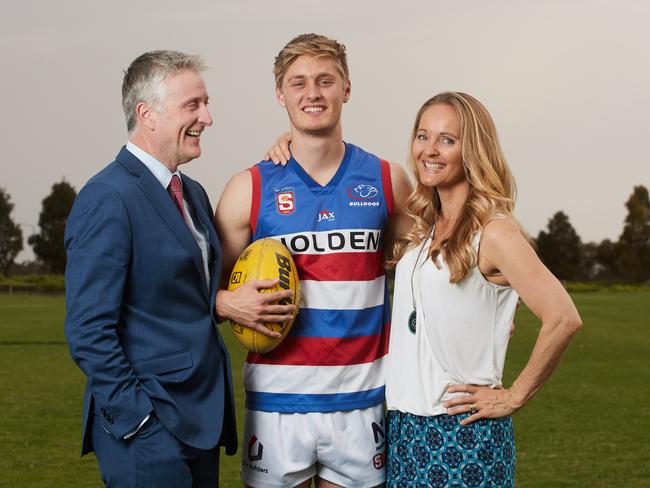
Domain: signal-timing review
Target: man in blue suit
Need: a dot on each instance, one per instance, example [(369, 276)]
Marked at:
[(143, 268)]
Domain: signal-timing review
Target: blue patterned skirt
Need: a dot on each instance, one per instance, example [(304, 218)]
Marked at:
[(439, 452)]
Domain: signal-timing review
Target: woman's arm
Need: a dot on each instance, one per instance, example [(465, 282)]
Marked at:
[(504, 251)]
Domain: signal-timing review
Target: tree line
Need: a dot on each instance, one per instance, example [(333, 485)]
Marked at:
[(47, 244), (559, 246), (624, 261)]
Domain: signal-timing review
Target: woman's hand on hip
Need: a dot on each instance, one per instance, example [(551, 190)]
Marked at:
[(481, 402)]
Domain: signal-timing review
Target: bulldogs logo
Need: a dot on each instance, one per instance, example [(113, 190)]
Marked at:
[(362, 191), (363, 195)]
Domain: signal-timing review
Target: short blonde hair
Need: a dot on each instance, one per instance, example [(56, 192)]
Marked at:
[(312, 45)]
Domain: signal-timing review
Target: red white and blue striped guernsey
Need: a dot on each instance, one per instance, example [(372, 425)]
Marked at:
[(333, 359)]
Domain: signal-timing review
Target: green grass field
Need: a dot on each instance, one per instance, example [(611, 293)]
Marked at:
[(587, 428)]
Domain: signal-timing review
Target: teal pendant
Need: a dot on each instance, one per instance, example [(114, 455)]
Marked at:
[(412, 320)]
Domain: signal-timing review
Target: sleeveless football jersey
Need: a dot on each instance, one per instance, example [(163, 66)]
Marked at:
[(333, 358)]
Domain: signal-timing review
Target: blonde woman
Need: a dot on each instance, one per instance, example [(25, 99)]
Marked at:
[(460, 272)]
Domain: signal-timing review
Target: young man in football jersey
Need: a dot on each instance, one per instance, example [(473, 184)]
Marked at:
[(314, 405)]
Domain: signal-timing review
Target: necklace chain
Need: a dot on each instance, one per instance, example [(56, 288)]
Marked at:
[(415, 265), (432, 235)]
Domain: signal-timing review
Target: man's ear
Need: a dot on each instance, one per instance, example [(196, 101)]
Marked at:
[(146, 115), (280, 97), (346, 92)]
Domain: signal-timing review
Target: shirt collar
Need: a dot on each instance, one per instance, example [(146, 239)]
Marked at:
[(159, 170)]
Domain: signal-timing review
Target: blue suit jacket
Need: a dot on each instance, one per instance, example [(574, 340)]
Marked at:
[(140, 318)]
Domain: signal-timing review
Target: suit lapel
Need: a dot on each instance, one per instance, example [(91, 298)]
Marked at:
[(164, 206), (206, 220), (201, 211)]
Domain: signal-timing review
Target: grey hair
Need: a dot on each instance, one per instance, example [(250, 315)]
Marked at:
[(144, 79)]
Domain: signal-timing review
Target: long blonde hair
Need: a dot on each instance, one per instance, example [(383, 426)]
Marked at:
[(492, 187)]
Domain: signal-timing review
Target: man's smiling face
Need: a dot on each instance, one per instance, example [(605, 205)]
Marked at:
[(313, 91), (183, 117)]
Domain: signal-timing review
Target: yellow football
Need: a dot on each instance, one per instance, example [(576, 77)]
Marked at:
[(265, 259)]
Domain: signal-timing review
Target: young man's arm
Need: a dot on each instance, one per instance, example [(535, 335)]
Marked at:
[(232, 219), (244, 305), (399, 222)]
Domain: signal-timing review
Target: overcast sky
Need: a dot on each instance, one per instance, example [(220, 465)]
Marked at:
[(567, 82)]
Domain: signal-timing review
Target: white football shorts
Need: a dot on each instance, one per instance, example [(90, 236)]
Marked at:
[(286, 449)]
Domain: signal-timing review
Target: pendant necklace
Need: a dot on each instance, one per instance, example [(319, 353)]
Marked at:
[(413, 316)]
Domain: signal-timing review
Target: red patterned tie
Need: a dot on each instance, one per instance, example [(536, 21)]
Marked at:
[(176, 192)]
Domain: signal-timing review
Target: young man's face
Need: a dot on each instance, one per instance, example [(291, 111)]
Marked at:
[(313, 91)]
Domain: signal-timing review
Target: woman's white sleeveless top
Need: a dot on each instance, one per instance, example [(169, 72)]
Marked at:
[(461, 333)]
